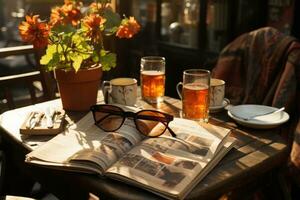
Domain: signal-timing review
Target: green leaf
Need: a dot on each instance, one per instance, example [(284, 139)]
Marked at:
[(51, 49), (45, 59), (63, 28), (77, 62), (103, 52), (113, 21), (108, 61), (53, 63), (95, 57), (81, 45)]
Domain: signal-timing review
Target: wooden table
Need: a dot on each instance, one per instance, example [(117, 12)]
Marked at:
[(257, 152)]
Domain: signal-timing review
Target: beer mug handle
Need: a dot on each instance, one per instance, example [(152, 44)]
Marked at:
[(178, 90), (106, 87)]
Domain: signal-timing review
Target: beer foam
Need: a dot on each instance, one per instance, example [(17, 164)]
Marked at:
[(123, 81), (152, 73), (215, 82), (195, 86)]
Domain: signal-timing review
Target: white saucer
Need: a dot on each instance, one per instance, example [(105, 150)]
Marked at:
[(214, 109), (260, 122)]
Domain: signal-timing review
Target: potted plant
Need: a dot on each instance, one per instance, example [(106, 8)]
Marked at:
[(75, 46)]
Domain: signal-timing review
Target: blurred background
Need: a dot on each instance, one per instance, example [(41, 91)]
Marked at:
[(189, 33)]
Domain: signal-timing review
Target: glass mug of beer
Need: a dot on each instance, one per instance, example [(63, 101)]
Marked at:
[(195, 94), (153, 78)]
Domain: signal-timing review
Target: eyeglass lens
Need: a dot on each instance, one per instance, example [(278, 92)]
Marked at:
[(108, 118), (151, 123)]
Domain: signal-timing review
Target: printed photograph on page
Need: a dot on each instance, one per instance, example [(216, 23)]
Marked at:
[(205, 138), (179, 148), (157, 167)]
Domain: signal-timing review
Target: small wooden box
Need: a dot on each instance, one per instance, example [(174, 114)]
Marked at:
[(40, 127)]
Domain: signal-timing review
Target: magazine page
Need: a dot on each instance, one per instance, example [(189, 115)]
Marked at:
[(112, 146), (86, 146), (204, 138), (171, 166)]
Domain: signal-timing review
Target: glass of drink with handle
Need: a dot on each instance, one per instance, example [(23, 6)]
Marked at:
[(195, 94)]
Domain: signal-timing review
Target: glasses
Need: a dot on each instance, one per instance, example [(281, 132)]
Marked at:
[(150, 123)]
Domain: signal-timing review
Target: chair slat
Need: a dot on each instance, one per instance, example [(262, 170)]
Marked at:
[(30, 76), (26, 79), (18, 50)]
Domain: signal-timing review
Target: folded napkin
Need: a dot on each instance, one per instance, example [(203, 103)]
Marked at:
[(250, 112)]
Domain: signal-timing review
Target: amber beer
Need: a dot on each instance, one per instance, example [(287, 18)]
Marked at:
[(153, 78), (195, 94), (153, 85), (195, 100)]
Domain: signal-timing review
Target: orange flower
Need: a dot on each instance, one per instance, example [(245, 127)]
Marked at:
[(70, 31), (56, 17), (34, 31), (69, 13), (72, 13), (129, 27), (68, 1), (94, 23), (98, 7)]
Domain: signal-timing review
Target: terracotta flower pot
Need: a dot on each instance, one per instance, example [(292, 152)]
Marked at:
[(78, 91)]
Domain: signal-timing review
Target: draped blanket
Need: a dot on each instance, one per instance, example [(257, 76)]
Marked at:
[(259, 67), (263, 67)]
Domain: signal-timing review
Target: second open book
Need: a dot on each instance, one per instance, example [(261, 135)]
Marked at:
[(167, 166)]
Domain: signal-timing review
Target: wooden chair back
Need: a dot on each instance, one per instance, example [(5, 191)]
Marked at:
[(26, 79)]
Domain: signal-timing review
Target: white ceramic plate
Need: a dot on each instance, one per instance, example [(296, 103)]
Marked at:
[(261, 122), (214, 109)]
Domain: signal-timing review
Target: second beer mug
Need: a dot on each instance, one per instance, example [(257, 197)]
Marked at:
[(195, 94), (153, 78)]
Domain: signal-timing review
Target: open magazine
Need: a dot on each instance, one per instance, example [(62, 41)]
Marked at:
[(165, 165)]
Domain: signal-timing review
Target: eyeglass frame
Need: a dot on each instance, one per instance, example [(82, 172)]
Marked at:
[(133, 115)]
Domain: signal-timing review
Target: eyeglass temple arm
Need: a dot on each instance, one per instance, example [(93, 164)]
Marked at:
[(171, 131)]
